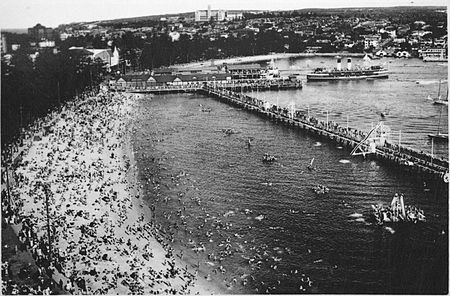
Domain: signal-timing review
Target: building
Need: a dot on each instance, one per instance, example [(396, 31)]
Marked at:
[(39, 32), (109, 57), (208, 15), (143, 81), (402, 54), (233, 15), (3, 45), (15, 47), (371, 41), (247, 71), (434, 55), (46, 43), (64, 36)]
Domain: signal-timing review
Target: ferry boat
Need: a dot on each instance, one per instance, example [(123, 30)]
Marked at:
[(322, 74)]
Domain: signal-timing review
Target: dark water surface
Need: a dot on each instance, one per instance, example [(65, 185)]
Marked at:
[(262, 222)]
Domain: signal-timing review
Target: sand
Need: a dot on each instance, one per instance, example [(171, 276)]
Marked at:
[(102, 230)]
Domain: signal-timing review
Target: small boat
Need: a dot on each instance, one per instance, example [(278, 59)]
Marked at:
[(320, 189), (229, 131), (439, 100), (439, 136), (268, 158), (397, 212)]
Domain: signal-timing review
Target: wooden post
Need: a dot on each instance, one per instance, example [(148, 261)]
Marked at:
[(432, 146), (48, 226)]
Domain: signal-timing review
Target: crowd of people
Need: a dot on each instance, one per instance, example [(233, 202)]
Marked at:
[(397, 212), (75, 202), (392, 150)]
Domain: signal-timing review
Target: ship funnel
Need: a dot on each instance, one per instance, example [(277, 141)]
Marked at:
[(338, 65), (349, 64)]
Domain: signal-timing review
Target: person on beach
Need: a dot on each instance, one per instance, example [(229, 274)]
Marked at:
[(77, 169)]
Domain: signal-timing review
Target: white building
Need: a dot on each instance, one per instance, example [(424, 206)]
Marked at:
[(108, 56), (233, 15), (372, 41), (15, 47), (207, 15), (46, 43), (4, 49), (64, 36)]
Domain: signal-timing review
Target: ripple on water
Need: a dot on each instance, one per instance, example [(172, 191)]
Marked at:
[(228, 206)]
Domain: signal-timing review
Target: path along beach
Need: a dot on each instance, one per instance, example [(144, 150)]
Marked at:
[(104, 239), (261, 58)]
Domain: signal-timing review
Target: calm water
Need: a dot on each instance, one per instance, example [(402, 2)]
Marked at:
[(263, 223)]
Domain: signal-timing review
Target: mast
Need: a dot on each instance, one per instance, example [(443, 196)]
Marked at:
[(439, 91), (439, 124)]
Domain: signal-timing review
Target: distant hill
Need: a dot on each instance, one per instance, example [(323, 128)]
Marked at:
[(14, 30), (318, 11), (146, 18), (141, 19)]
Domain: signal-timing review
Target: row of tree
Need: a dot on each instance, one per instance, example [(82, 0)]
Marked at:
[(31, 89), (160, 50)]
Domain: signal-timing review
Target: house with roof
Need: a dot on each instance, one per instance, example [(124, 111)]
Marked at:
[(142, 81), (109, 57)]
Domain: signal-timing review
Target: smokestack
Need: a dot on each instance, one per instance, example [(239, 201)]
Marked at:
[(349, 64), (209, 12), (339, 66)]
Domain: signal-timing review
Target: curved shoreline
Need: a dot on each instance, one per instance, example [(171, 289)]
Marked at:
[(101, 231), (202, 286), (267, 57)]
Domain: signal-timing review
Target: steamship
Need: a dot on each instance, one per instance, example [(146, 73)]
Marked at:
[(322, 74)]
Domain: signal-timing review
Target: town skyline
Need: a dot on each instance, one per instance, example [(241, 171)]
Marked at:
[(18, 14)]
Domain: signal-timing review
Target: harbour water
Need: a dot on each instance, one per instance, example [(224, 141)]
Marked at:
[(259, 227)]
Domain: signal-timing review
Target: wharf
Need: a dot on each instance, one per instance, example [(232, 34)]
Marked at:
[(240, 85), (402, 157)]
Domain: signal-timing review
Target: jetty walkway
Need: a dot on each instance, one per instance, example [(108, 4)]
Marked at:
[(241, 85), (402, 157)]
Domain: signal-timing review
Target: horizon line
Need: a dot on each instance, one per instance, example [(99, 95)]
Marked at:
[(259, 10)]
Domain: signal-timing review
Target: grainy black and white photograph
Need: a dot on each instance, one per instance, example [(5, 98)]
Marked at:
[(224, 147)]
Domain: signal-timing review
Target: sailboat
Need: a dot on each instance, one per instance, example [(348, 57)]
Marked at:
[(440, 101), (439, 135)]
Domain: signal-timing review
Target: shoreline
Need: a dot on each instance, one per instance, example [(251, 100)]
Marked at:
[(266, 57), (102, 234), (203, 287)]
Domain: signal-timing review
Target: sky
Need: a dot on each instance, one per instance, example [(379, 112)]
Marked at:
[(51, 13)]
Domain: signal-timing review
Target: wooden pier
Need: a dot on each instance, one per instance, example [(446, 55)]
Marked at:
[(401, 157)]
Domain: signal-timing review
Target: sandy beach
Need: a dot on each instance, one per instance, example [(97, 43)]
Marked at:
[(104, 240)]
